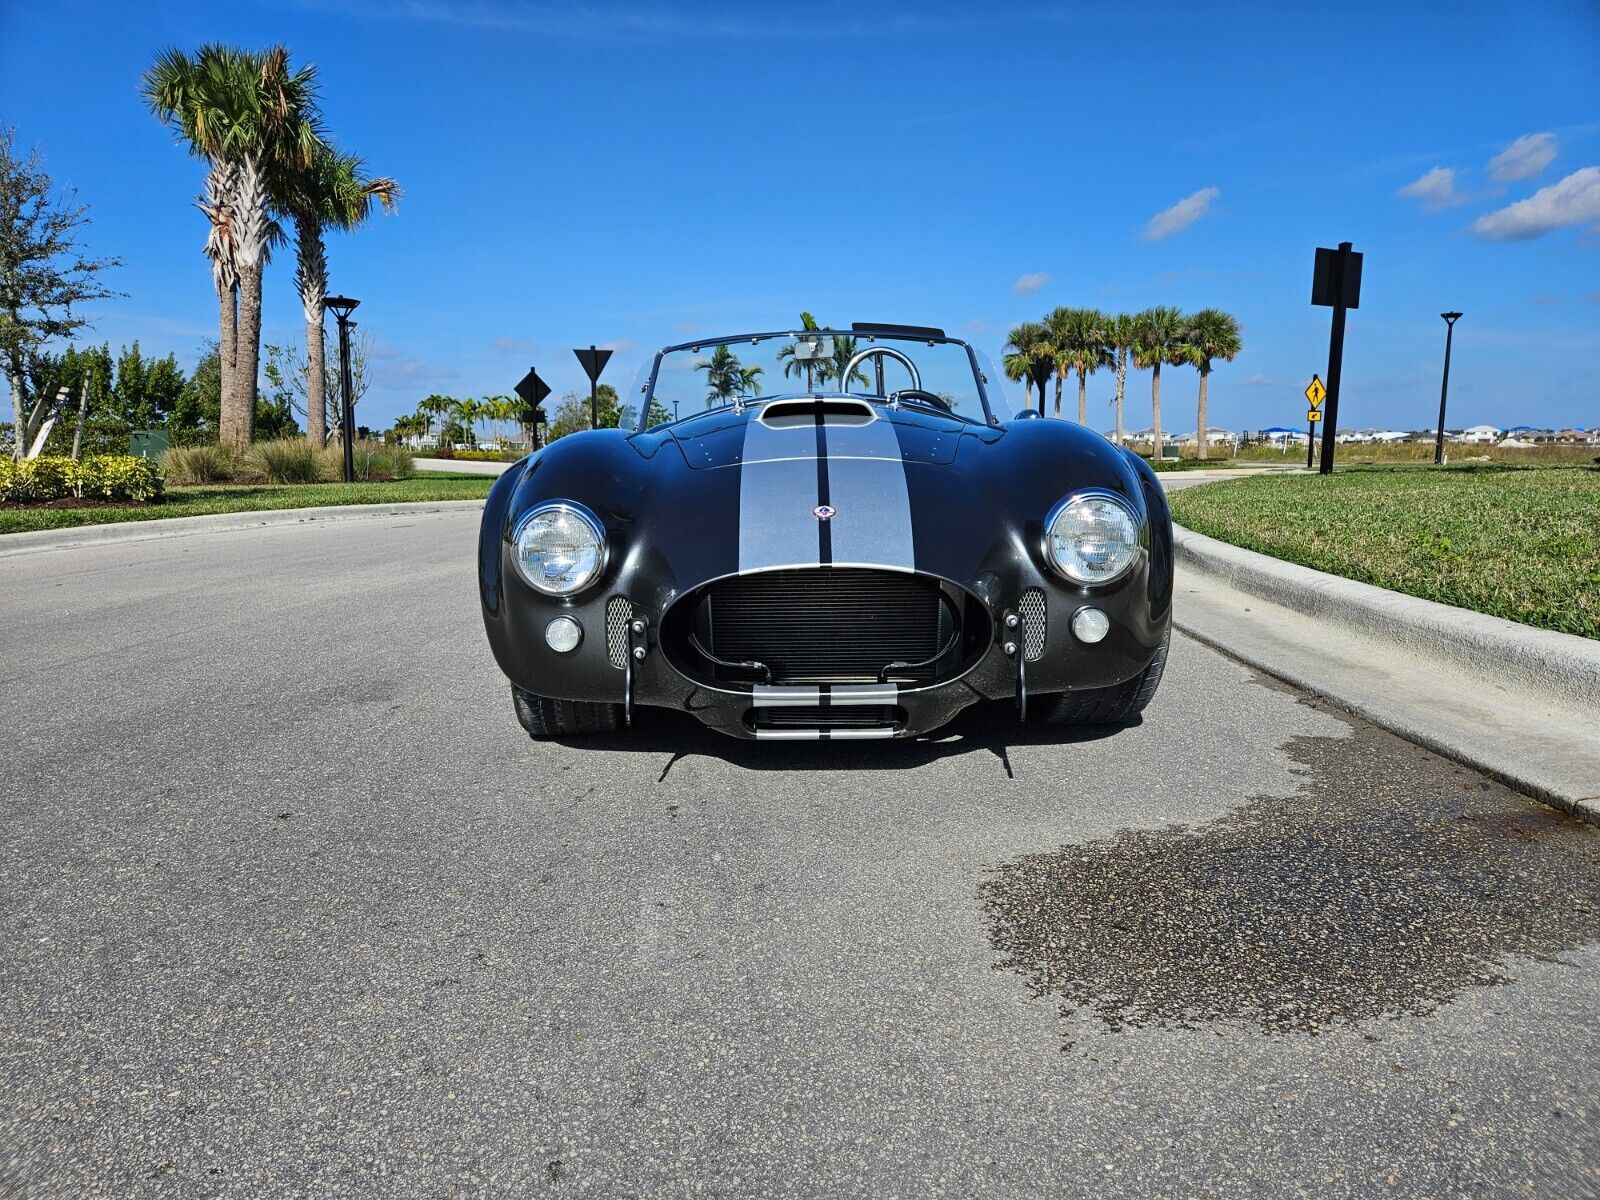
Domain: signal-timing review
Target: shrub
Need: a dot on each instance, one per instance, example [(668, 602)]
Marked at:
[(116, 477), (292, 460), (187, 466), (121, 477)]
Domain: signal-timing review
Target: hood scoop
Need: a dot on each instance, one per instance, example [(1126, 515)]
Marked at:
[(803, 411)]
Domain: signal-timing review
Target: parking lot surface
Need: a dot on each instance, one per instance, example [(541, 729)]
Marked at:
[(292, 906)]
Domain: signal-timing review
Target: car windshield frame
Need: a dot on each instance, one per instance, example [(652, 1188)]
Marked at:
[(988, 387)]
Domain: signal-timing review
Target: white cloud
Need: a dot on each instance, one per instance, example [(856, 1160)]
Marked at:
[(508, 345), (1436, 189), (1181, 215), (1525, 157), (1027, 285), (1575, 200)]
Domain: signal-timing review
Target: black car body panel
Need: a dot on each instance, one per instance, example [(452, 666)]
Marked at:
[(903, 490)]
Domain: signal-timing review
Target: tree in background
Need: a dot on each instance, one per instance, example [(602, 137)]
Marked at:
[(199, 404), (1078, 337), (45, 274), (434, 408), (1119, 337), (572, 413), (832, 367), (1207, 335), (252, 119), (792, 366), (727, 377), (1029, 356), (288, 370), (331, 191), (1157, 340)]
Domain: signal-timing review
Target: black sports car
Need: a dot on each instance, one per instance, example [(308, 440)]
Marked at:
[(837, 557)]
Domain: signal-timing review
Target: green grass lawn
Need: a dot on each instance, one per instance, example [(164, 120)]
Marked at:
[(1517, 543), (230, 498)]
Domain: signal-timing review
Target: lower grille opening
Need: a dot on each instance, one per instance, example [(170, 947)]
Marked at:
[(826, 625), (865, 716)]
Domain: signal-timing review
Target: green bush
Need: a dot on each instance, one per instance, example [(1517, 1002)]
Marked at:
[(121, 477), (477, 455), (292, 460), (115, 477), (187, 466)]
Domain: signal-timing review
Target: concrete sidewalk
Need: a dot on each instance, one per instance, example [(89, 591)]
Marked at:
[(1519, 704)]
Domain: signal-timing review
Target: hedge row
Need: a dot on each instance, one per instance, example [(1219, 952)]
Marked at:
[(119, 477)]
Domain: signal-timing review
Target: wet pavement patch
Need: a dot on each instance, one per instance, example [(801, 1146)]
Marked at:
[(1392, 882)]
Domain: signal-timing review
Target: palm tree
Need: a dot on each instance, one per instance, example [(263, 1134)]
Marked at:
[(253, 116), (1078, 337), (433, 406), (1157, 334), (333, 191), (1120, 337), (1208, 334), (1029, 356), (800, 366), (466, 411), (833, 366), (726, 377)]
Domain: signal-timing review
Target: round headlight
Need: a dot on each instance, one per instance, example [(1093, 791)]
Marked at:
[(560, 548), (1092, 539)]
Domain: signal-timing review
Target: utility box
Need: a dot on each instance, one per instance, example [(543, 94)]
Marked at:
[(148, 443)]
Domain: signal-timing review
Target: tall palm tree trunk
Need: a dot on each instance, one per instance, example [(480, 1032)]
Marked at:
[(1059, 378), (311, 278), (220, 248), (1122, 386), (1200, 428), (1083, 397), (1155, 407), (250, 215)]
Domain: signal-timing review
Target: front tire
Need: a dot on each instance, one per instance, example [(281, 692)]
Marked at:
[(546, 718), (1113, 705)]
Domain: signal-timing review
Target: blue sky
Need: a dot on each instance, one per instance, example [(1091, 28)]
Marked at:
[(641, 174)]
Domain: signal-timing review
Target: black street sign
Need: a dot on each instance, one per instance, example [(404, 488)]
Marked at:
[(594, 361), (532, 389), (1335, 283)]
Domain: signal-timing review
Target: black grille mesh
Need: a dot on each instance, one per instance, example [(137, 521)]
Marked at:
[(828, 624)]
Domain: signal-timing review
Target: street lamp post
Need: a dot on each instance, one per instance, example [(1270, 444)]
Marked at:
[(1450, 320), (342, 307)]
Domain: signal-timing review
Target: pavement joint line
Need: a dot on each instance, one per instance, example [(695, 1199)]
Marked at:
[(161, 528)]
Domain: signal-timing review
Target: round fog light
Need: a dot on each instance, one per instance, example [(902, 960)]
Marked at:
[(564, 634), (1090, 625)]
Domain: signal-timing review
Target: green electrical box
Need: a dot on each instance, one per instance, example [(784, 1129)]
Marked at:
[(148, 443)]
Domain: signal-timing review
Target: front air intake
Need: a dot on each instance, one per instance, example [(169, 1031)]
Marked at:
[(826, 625), (805, 410)]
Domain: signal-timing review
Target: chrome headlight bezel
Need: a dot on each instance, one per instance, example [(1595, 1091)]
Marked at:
[(1084, 496), (585, 518)]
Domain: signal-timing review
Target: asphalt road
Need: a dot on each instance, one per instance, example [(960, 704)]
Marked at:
[(292, 907)]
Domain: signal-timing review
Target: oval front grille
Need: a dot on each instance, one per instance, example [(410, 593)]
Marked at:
[(825, 625)]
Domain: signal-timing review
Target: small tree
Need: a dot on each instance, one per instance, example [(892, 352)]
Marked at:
[(44, 275)]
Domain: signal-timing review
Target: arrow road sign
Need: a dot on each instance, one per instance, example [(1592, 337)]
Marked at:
[(1313, 416), (1315, 392), (532, 389)]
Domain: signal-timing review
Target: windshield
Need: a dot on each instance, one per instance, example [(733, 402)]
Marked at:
[(930, 373)]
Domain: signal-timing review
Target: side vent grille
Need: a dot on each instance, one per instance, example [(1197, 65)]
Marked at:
[(1032, 609), (618, 613)]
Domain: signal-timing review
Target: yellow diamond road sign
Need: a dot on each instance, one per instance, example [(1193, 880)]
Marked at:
[(1315, 392)]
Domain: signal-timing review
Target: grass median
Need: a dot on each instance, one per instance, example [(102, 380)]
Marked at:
[(237, 497), (1518, 543)]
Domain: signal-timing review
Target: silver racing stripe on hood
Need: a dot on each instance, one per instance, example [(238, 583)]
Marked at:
[(791, 472)]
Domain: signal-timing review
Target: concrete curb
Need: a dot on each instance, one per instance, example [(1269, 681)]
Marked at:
[(172, 527), (1554, 665)]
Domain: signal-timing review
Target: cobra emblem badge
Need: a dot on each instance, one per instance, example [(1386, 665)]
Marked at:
[(824, 512)]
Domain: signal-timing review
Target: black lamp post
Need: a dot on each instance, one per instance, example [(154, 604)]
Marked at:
[(342, 307), (1450, 320)]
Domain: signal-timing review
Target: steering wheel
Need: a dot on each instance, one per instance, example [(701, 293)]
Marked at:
[(886, 352), (925, 397)]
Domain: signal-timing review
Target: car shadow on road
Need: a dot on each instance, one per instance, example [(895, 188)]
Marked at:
[(990, 728)]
